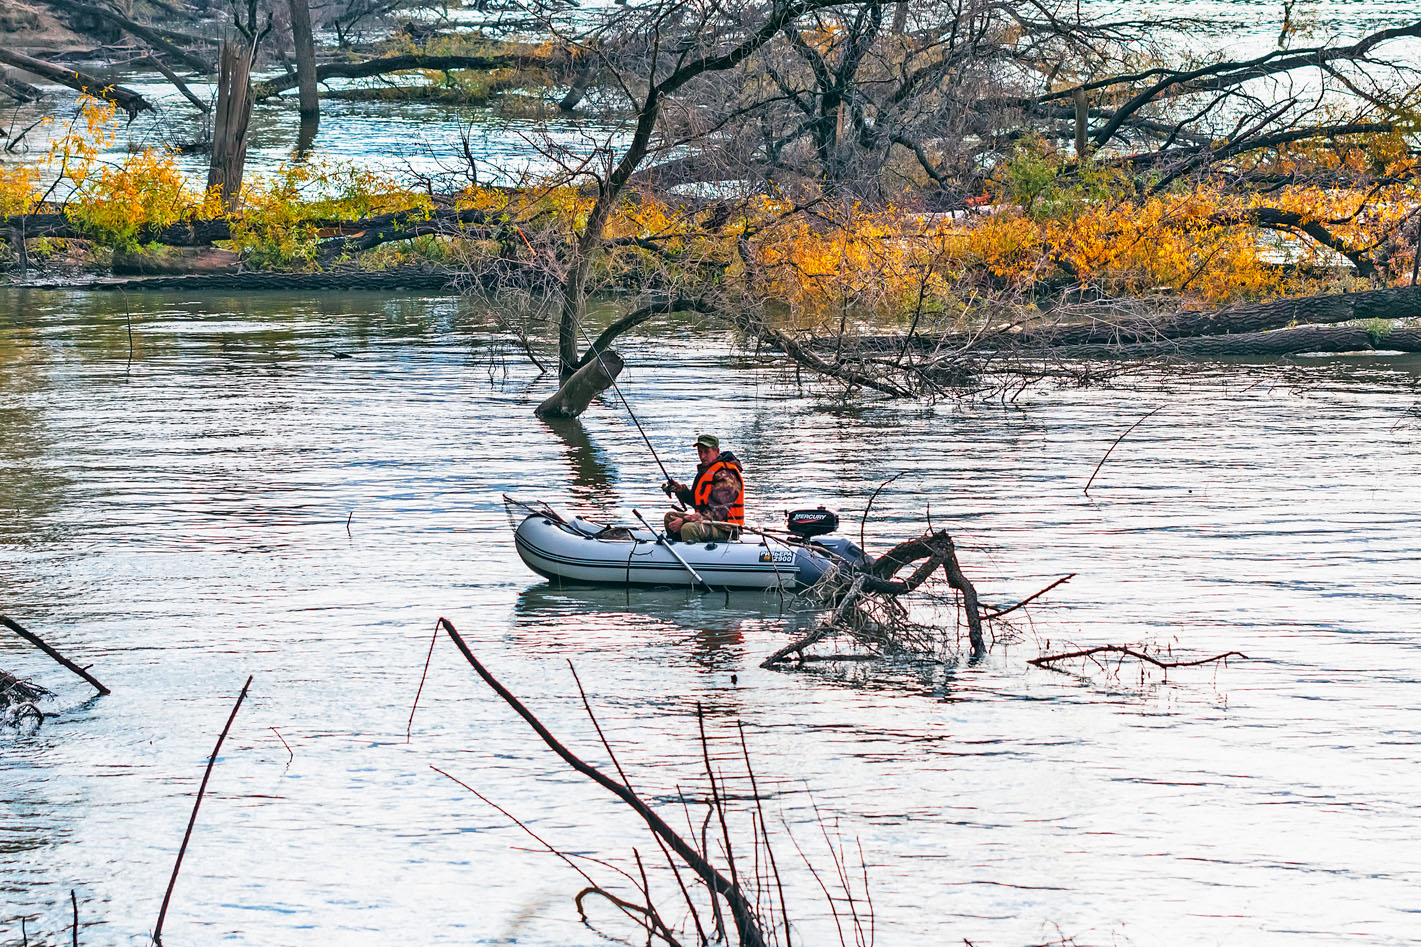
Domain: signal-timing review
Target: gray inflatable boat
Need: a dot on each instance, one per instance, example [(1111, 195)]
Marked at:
[(572, 549)]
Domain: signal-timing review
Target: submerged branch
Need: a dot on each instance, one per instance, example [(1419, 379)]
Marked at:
[(1046, 660)]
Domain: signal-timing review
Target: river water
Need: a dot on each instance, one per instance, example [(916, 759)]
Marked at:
[(296, 488)]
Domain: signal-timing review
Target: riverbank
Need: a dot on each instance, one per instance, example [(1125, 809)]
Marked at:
[(1032, 232)]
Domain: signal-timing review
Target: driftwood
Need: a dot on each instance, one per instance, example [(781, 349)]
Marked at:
[(1271, 344), (866, 606), (18, 90), (126, 99), (587, 382), (34, 639), (1126, 651), (18, 699), (1157, 330)]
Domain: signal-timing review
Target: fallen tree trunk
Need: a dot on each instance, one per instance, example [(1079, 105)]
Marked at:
[(1257, 317), (402, 225), (388, 64), (145, 33), (1275, 343), (126, 99), (586, 383), (188, 233), (1396, 302)]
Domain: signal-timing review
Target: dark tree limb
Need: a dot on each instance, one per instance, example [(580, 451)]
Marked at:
[(637, 316), (34, 639), (18, 90), (1219, 75), (740, 907), (1179, 162), (1272, 218), (999, 612), (799, 353), (178, 84), (126, 99), (821, 631), (1048, 659), (12, 687), (192, 820), (934, 549), (1116, 443)]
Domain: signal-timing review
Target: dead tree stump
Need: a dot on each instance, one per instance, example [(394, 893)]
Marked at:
[(229, 128)]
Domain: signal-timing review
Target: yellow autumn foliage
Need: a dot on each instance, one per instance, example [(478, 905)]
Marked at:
[(19, 189), (1039, 221)]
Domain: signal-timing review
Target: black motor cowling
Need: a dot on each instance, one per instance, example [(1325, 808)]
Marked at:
[(803, 524)]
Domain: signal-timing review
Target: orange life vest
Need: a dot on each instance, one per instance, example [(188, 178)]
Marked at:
[(701, 489)]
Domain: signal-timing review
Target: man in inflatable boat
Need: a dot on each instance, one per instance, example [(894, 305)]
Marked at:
[(715, 499)]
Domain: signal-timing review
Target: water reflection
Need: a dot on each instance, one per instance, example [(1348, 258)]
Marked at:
[(706, 630), (593, 476)]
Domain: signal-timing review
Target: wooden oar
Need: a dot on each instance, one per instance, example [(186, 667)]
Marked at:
[(661, 539)]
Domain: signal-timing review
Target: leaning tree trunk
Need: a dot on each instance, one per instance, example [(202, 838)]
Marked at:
[(229, 130), (589, 381), (305, 61)]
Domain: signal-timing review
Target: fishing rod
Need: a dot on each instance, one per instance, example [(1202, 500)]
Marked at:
[(597, 354)]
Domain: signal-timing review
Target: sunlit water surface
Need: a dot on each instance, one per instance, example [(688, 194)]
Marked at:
[(295, 489)]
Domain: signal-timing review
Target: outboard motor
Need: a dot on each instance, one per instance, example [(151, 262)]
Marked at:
[(803, 524), (810, 528)]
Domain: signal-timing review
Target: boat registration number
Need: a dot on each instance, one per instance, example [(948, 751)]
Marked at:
[(779, 556)]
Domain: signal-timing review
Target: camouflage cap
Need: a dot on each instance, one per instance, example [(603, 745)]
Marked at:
[(708, 440)]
